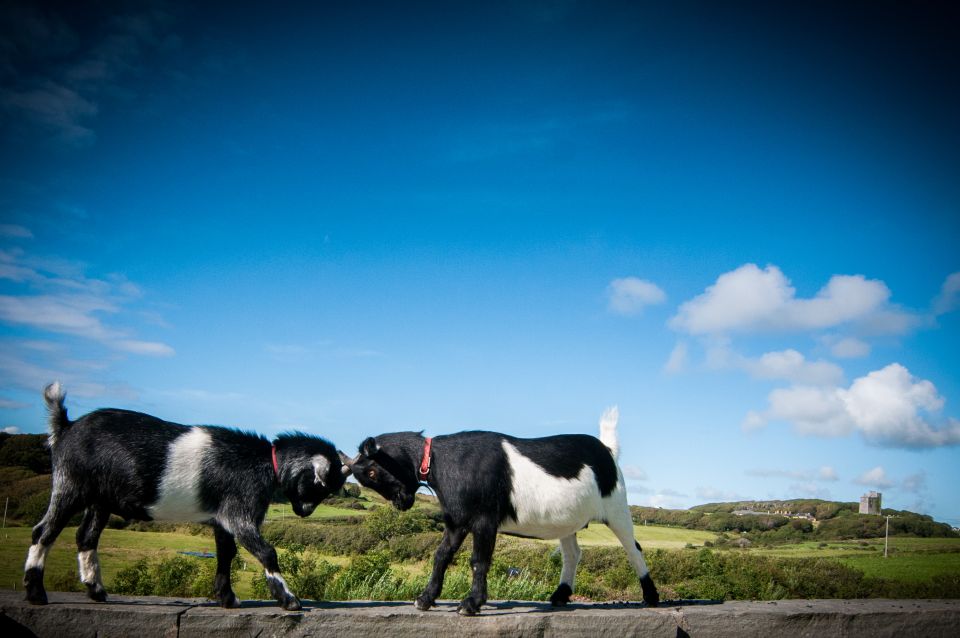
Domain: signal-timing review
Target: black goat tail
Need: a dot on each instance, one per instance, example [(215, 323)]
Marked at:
[(54, 394)]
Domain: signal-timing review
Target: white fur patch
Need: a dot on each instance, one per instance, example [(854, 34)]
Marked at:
[(179, 488), (548, 506), (278, 578), (89, 564), (36, 556), (321, 465)]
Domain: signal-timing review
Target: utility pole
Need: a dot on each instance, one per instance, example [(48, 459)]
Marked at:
[(886, 537)]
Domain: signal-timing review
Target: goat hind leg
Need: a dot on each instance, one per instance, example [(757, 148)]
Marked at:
[(570, 550), (622, 527), (88, 537), (226, 552), (45, 533)]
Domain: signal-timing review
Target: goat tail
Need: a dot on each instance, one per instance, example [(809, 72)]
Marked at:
[(54, 394), (608, 430)]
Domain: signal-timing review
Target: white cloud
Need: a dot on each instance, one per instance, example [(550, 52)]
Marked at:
[(889, 407), (630, 295), (824, 473), (949, 296), (748, 299), (11, 429), (677, 360), (808, 489), (915, 483), (8, 404), (827, 473), (60, 299), (849, 348), (877, 477), (13, 230), (792, 366), (634, 473)]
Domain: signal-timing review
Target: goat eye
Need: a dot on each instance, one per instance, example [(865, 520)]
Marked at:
[(372, 474)]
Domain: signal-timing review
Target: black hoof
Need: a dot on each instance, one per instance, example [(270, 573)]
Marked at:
[(423, 603), (96, 593), (230, 601), (468, 607), (37, 599), (292, 604), (650, 594), (561, 597)]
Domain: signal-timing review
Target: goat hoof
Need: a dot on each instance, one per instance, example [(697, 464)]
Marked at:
[(468, 608), (98, 594), (293, 604), (561, 596), (650, 594), (37, 599), (230, 602), (422, 603)]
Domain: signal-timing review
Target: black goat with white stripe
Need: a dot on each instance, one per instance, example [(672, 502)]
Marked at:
[(486, 482), (139, 467)]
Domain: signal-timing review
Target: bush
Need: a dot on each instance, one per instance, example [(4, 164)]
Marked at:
[(175, 576), (387, 522), (414, 547)]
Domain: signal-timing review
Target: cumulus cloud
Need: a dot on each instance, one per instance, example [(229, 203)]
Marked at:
[(787, 365), (630, 295), (888, 407), (949, 297), (677, 360), (754, 299), (11, 429), (876, 477)]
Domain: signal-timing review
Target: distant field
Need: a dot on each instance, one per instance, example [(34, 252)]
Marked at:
[(649, 536), (909, 559), (279, 511)]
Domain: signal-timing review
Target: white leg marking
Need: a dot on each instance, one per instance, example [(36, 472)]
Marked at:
[(275, 576), (89, 564), (570, 550), (36, 556)]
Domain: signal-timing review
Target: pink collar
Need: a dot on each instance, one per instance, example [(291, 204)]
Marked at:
[(425, 463)]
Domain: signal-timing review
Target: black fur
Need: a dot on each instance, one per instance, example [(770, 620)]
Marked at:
[(113, 462), (471, 476), (561, 596)]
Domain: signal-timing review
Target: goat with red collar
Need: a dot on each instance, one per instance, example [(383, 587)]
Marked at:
[(487, 482), (139, 467)]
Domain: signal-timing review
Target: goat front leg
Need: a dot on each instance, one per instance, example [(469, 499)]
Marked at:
[(451, 542), (226, 552), (249, 537), (484, 540)]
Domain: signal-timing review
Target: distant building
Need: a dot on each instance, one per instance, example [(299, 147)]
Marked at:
[(870, 503)]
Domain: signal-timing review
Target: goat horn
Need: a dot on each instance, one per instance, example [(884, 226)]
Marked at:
[(347, 462)]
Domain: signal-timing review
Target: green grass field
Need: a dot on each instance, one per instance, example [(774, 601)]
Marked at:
[(911, 559)]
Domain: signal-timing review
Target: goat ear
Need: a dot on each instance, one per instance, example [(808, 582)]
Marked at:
[(321, 465), (369, 447)]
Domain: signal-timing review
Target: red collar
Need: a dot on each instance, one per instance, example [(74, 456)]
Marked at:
[(425, 463), (276, 469)]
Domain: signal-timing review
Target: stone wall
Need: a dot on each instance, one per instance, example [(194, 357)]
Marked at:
[(74, 616)]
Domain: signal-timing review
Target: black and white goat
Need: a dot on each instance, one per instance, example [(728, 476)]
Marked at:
[(139, 467), (487, 482)]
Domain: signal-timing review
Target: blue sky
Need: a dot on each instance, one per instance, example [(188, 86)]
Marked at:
[(739, 224)]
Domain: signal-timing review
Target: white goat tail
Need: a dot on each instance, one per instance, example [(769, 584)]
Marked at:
[(53, 396), (608, 430)]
